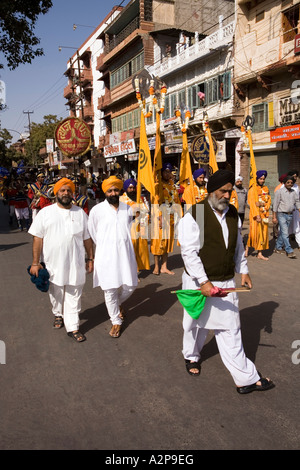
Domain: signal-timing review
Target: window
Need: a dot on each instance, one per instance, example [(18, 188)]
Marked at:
[(290, 20), (260, 16), (125, 71), (166, 113), (126, 121), (263, 115)]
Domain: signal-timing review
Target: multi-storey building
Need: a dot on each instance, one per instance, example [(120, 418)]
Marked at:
[(198, 75), (84, 88), (159, 36), (189, 46), (266, 78)]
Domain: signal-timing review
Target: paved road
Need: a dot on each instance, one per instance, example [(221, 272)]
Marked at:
[(133, 392)]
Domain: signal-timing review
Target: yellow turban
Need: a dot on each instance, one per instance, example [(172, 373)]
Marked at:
[(112, 181), (63, 182)]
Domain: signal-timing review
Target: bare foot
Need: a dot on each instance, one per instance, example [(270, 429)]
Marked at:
[(167, 271), (260, 256), (156, 272)]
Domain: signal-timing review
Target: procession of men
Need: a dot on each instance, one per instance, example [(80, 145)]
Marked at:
[(113, 241)]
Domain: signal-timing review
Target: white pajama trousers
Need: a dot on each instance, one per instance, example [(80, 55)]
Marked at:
[(231, 350), (114, 299), (66, 303)]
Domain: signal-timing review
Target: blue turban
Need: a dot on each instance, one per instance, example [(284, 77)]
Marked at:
[(261, 173), (129, 182), (167, 166), (198, 173)]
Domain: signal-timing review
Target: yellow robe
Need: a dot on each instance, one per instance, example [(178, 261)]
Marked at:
[(140, 244), (200, 193), (258, 233), (165, 241)]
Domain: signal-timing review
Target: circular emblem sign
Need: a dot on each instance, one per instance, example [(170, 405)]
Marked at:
[(200, 149), (73, 137)]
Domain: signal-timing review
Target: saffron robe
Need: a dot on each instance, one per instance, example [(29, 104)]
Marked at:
[(258, 232), (138, 231)]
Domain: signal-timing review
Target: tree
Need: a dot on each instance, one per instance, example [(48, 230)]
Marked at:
[(17, 22), (39, 134)]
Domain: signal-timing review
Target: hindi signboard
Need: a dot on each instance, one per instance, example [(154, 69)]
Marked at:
[(73, 137)]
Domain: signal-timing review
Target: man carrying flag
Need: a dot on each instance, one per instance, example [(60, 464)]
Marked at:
[(139, 225), (162, 241), (212, 251), (196, 191)]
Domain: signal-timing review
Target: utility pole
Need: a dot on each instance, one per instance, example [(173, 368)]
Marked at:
[(29, 127)]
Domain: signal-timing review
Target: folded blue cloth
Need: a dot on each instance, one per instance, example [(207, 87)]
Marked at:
[(42, 281)]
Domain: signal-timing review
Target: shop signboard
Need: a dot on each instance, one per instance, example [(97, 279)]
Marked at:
[(73, 137), (285, 133), (122, 148)]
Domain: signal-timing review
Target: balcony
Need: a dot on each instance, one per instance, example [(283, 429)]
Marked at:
[(265, 59), (68, 91), (116, 39), (104, 101), (185, 56), (86, 77), (88, 111)]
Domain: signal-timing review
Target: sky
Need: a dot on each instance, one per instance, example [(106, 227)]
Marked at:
[(38, 87)]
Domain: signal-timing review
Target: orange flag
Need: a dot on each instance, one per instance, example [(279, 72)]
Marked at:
[(185, 172), (212, 156), (145, 173)]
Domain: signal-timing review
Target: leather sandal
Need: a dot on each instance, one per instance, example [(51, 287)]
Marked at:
[(265, 384), (193, 365), (115, 331), (77, 335), (58, 322)]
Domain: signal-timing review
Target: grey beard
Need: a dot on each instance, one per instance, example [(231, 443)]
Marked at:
[(218, 204), (66, 201)]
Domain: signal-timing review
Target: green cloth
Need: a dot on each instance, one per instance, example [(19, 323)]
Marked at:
[(192, 301)]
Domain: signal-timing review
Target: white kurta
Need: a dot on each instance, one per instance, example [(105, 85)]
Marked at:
[(219, 312), (115, 263), (63, 232)]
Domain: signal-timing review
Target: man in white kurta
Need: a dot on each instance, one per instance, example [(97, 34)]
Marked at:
[(61, 239), (220, 314), (115, 268)]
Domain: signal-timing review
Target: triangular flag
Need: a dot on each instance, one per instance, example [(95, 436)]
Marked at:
[(192, 301), (145, 174), (212, 156), (185, 172)]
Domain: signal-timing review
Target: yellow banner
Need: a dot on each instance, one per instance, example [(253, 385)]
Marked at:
[(145, 173)]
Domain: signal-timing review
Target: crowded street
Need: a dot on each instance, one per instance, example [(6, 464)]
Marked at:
[(133, 393)]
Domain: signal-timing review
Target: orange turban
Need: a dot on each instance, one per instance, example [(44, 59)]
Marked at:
[(112, 181), (63, 182)]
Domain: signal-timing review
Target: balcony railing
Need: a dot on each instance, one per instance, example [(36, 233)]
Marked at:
[(118, 38), (188, 53)]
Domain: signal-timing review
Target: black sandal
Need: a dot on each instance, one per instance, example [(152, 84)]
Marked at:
[(58, 322), (77, 335), (265, 384), (193, 365)]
